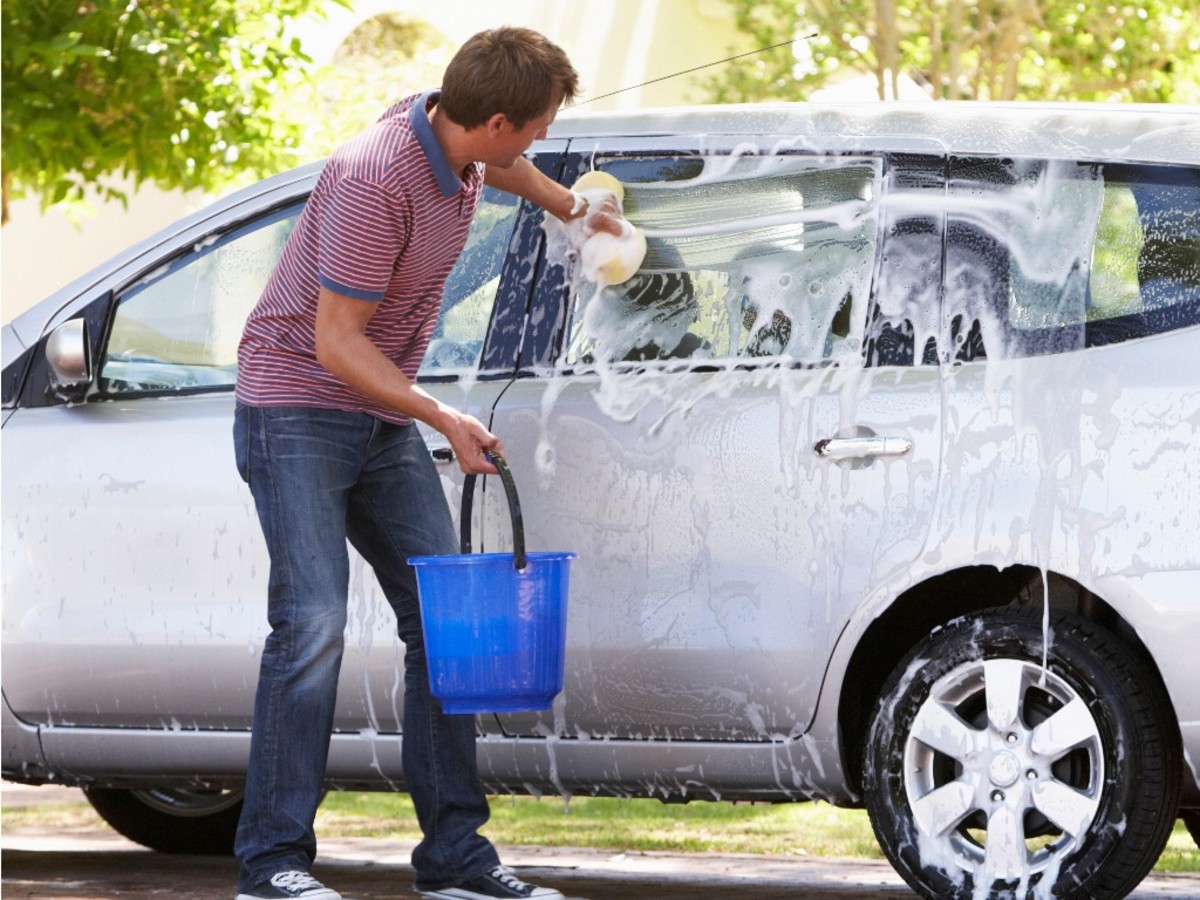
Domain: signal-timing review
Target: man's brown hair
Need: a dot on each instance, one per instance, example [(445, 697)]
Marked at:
[(514, 71)]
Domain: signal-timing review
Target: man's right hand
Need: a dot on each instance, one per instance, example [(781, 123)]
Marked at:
[(469, 439), (606, 218)]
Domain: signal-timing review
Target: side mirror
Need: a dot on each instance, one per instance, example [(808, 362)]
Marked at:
[(69, 355)]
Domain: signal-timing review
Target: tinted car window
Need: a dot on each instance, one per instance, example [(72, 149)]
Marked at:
[(906, 310), (1053, 256), (747, 257), (1145, 273), (471, 288), (1019, 238)]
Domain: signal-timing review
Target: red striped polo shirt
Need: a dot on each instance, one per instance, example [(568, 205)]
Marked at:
[(385, 223)]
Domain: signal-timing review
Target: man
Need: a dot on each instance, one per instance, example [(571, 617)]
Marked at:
[(325, 438)]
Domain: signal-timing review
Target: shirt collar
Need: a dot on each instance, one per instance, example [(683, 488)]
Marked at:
[(447, 178)]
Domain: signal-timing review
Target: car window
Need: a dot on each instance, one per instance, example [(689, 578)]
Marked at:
[(471, 288), (906, 310), (1051, 256), (1145, 267), (748, 258), (180, 326)]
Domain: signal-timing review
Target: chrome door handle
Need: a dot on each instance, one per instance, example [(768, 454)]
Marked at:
[(856, 447), (442, 455)]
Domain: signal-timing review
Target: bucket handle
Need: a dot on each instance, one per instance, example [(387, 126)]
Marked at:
[(514, 510)]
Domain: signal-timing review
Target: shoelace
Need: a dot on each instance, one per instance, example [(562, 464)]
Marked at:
[(505, 874), (294, 881)]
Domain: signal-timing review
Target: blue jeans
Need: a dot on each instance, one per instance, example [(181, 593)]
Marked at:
[(320, 477)]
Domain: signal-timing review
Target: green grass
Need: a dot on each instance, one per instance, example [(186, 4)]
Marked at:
[(1180, 854), (61, 816), (610, 824), (789, 829)]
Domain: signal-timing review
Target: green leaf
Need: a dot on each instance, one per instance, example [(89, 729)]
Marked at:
[(1049, 50), (95, 89)]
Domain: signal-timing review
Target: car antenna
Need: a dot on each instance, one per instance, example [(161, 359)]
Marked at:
[(718, 62)]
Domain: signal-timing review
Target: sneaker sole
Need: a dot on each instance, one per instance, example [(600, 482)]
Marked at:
[(464, 894)]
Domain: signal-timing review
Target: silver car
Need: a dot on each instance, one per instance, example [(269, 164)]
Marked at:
[(881, 474)]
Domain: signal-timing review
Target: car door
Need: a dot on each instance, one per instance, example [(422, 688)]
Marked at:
[(134, 569), (735, 470)]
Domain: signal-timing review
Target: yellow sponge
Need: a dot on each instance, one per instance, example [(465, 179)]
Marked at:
[(613, 260), (607, 258), (596, 179)]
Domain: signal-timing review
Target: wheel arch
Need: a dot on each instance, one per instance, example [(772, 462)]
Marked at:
[(936, 601)]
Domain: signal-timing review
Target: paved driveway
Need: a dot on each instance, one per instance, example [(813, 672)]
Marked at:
[(93, 864)]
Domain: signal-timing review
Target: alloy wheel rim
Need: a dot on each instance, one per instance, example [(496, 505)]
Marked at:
[(185, 802), (1004, 770)]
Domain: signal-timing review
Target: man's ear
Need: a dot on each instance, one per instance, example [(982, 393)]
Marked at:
[(495, 125)]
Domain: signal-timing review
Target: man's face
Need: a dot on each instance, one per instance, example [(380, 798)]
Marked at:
[(509, 142)]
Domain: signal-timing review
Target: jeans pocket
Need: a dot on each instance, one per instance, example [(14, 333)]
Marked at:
[(241, 441)]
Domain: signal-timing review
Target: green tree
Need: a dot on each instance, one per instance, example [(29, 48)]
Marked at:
[(1145, 50), (180, 93)]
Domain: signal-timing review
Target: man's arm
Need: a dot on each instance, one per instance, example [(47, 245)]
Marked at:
[(344, 349), (523, 179)]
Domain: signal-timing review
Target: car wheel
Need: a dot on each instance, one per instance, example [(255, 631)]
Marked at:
[(1031, 776), (172, 820)]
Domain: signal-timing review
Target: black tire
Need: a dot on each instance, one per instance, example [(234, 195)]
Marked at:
[(172, 820), (1191, 819), (1072, 769)]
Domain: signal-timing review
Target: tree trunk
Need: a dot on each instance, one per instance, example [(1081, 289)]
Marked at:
[(954, 49), (937, 53), (887, 49)]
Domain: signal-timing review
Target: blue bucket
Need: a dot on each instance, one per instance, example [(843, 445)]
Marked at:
[(495, 623)]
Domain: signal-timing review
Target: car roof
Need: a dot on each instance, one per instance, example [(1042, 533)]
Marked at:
[(1093, 131)]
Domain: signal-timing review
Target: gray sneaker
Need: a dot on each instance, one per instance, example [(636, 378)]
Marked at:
[(294, 885), (500, 883)]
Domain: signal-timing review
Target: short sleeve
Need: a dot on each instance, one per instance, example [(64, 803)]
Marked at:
[(362, 233)]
